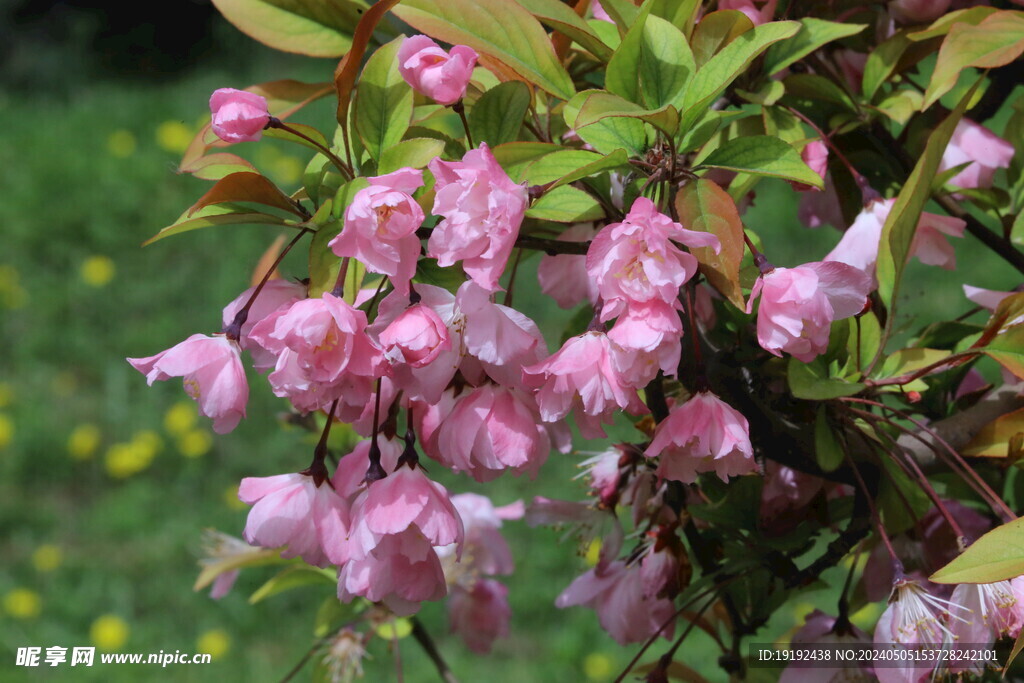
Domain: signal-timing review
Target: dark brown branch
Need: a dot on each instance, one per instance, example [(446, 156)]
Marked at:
[(427, 643)]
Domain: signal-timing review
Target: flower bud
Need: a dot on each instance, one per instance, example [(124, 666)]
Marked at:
[(440, 75), (416, 337), (238, 116)]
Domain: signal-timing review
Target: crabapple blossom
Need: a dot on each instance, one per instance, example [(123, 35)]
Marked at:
[(380, 227), (859, 245), (479, 614), (482, 210), (238, 116), (293, 510), (496, 334), (564, 277), (582, 377), (994, 610), (798, 306), (428, 69), (815, 155), (491, 429), (275, 294), (487, 553), (650, 335), (416, 337), (981, 149), (705, 434), (213, 376), (821, 628), (636, 261)]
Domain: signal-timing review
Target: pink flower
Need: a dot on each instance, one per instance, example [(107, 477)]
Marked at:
[(416, 337), (348, 478), (480, 614), (326, 335), (213, 376), (496, 334), (913, 617), (564, 277), (918, 11), (799, 304), (859, 245), (487, 553), (274, 295), (994, 610), (492, 429), (852, 64), (824, 629), (636, 261), (821, 208), (401, 571), (292, 510), (439, 75), (650, 335), (599, 12), (815, 155), (758, 15), (380, 227), (604, 475), (705, 434), (582, 377), (982, 150), (482, 211), (403, 499), (238, 116), (624, 609), (986, 298)]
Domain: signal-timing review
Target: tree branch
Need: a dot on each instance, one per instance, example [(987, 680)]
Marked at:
[(427, 643)]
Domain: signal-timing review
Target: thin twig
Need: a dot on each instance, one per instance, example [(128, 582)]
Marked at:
[(422, 637)]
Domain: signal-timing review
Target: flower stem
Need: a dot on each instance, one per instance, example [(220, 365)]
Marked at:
[(318, 468), (375, 471), (346, 172), (460, 109)]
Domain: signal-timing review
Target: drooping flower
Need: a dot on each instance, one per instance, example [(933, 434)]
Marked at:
[(292, 510), (482, 210), (479, 614), (798, 306), (401, 571), (581, 377), (758, 11), (820, 628), (416, 337), (238, 116), (993, 610), (984, 152), (859, 245), (428, 69), (636, 261), (705, 434), (815, 155), (650, 336), (380, 227), (403, 499), (492, 429), (213, 376), (564, 277), (486, 551), (617, 594), (274, 295)]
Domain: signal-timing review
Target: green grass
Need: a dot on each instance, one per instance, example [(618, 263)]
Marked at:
[(130, 546)]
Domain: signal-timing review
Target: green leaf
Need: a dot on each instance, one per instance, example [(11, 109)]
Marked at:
[(498, 115), (901, 224), (245, 186), (566, 205), (715, 31), (551, 167), (254, 558), (996, 41), (812, 381), (703, 205), (943, 24), (882, 63), (906, 361), (515, 157), (652, 65), (1008, 349), (1017, 230), (896, 492), (721, 70), (763, 155), (294, 577), (318, 28), (812, 35), (607, 135), (601, 105), (450, 278), (288, 136), (414, 153), (769, 93), (333, 613), (216, 166), (815, 87), (827, 449), (383, 101), (560, 17), (680, 13), (614, 160), (497, 29), (623, 12), (996, 556), (901, 105), (217, 214)]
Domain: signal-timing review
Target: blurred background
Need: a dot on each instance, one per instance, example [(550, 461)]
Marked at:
[(105, 484)]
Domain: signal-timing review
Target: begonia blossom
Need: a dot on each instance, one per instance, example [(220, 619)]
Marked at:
[(428, 69), (237, 115), (981, 149)]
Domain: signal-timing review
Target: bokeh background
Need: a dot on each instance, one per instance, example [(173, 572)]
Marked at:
[(105, 484)]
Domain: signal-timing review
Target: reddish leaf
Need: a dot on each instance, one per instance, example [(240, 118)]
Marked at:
[(703, 205), (1000, 438), (348, 67), (216, 166), (246, 187)]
